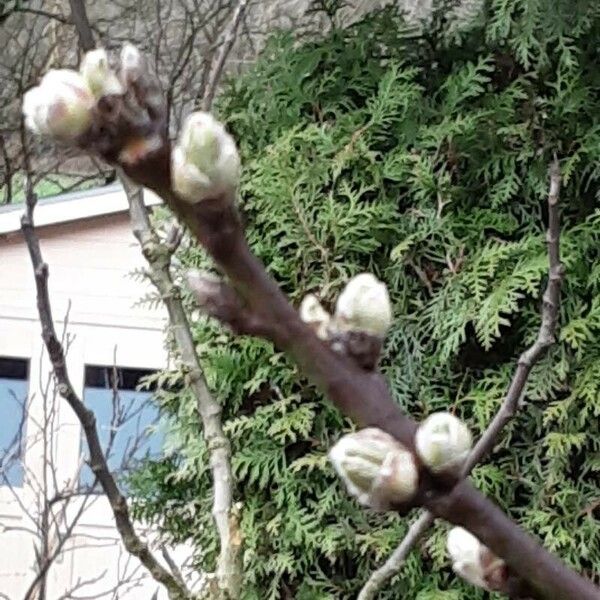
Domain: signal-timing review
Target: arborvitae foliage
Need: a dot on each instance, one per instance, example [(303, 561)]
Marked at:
[(422, 158)]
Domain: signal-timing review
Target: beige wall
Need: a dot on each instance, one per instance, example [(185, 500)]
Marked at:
[(90, 278)]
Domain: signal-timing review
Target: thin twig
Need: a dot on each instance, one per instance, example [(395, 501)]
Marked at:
[(98, 463), (82, 24), (218, 65), (158, 256), (394, 563), (508, 409)]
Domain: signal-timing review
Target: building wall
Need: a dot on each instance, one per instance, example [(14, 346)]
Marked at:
[(92, 291)]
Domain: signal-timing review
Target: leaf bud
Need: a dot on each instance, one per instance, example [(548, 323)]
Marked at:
[(99, 77), (205, 162), (132, 63), (312, 313), (474, 562), (364, 305), (443, 443)]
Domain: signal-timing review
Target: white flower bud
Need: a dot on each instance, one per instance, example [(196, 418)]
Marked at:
[(364, 305), (206, 162), (443, 442), (98, 75), (375, 468), (60, 106), (474, 562), (131, 63), (312, 313)]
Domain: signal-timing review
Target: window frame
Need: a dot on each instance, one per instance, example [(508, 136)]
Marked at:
[(21, 460)]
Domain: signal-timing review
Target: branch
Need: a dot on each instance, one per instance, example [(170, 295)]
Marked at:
[(82, 25), (98, 463), (545, 338), (359, 394), (158, 255), (546, 333), (218, 65), (394, 563), (136, 140)]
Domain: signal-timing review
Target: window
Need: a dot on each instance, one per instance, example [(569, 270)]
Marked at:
[(13, 401), (126, 418)]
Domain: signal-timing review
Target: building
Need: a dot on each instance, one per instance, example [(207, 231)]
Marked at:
[(87, 242)]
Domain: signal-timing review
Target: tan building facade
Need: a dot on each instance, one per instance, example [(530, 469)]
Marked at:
[(87, 242)]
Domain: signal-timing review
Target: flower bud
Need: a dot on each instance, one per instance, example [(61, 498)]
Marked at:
[(443, 442), (474, 562), (375, 468), (131, 63), (60, 106), (312, 313), (364, 305), (205, 163), (100, 78)]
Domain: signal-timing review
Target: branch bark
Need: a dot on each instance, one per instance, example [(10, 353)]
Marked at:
[(545, 338), (158, 256)]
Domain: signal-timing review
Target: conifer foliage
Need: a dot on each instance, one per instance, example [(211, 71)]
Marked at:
[(420, 155)]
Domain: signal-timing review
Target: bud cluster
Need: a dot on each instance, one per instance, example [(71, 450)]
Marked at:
[(62, 105), (474, 562), (376, 469), (363, 315)]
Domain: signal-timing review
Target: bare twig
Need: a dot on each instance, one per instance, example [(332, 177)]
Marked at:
[(545, 338), (218, 65), (82, 24), (394, 563), (158, 255), (98, 463), (546, 333)]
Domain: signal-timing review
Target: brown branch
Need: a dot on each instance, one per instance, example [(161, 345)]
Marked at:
[(82, 25), (508, 409), (158, 256), (218, 65), (546, 333), (361, 395), (98, 463)]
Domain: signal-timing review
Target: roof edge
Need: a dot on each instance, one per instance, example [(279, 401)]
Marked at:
[(74, 206)]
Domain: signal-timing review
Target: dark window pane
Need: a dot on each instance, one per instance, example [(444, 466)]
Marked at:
[(103, 377), (127, 420), (13, 399), (14, 368)]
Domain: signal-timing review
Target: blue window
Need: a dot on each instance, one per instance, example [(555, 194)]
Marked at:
[(127, 419), (13, 403)]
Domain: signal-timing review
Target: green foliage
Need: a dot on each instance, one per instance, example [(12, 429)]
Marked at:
[(422, 158), (51, 185)]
